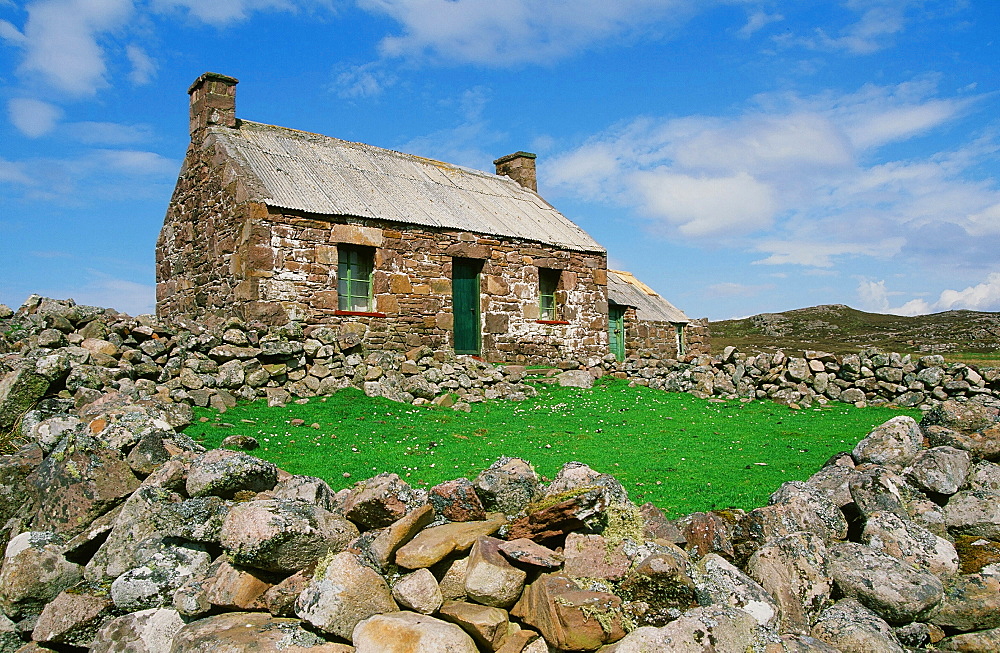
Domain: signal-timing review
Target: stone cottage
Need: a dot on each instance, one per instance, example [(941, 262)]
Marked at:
[(275, 225), (642, 322)]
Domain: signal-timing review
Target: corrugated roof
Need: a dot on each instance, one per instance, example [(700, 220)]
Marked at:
[(626, 290), (327, 176)]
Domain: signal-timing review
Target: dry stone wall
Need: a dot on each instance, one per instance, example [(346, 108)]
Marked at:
[(121, 534), (60, 349)]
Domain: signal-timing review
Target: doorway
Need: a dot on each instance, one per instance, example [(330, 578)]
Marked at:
[(616, 330), (465, 304)]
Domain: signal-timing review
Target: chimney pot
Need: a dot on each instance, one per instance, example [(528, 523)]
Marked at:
[(213, 102), (519, 166)]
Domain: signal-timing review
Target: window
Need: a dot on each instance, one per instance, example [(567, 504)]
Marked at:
[(354, 278), (681, 344), (548, 283)]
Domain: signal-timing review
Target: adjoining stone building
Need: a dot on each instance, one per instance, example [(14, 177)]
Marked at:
[(642, 322), (275, 225)]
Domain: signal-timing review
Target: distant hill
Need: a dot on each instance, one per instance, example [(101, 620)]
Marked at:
[(971, 336)]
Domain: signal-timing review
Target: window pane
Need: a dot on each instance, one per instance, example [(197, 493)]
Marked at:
[(354, 271), (548, 281)]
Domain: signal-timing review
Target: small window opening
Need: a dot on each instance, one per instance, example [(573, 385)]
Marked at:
[(354, 278), (548, 284)]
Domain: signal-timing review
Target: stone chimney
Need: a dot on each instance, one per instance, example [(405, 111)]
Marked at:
[(519, 166), (213, 102)]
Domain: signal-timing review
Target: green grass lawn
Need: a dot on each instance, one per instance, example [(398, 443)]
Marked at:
[(681, 453)]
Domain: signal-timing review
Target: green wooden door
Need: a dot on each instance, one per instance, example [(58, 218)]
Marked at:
[(465, 304), (616, 330)]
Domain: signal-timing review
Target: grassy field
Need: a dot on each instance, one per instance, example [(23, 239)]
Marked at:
[(681, 453)]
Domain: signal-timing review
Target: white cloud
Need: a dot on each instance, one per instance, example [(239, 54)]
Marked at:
[(757, 21), (9, 33), (60, 40), (467, 141), (366, 80), (799, 178), (983, 296), (14, 173), (134, 163), (220, 12), (706, 206), (515, 31), (821, 254), (94, 176), (33, 118), (877, 22), (143, 67)]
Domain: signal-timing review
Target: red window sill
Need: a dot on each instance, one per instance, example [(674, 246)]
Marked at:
[(551, 321), (359, 313)]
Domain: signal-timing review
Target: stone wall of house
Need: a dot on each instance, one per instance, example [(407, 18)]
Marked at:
[(412, 287), (698, 337), (652, 339)]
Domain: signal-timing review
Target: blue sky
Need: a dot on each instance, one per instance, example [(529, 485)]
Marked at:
[(739, 156)]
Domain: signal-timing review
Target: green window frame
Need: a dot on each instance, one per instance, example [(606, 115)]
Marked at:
[(548, 284), (354, 278)]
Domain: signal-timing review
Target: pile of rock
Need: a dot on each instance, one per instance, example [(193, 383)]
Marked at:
[(59, 348), (122, 534), (871, 377)]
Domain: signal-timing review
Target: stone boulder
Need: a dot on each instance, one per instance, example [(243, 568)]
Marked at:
[(911, 543), (381, 500), (418, 591), (718, 582), (716, 628), (853, 628), (20, 390), (34, 572), (508, 485), (402, 632), (383, 548), (238, 632), (984, 641), (974, 512), (662, 584), (283, 535), (432, 545), (78, 482), (343, 593), (793, 570), (164, 570), (146, 631), (893, 589), (568, 617), (74, 617), (811, 510), (895, 442), (941, 470), (489, 578), (963, 416), (489, 627), (223, 473), (970, 602), (457, 501)]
